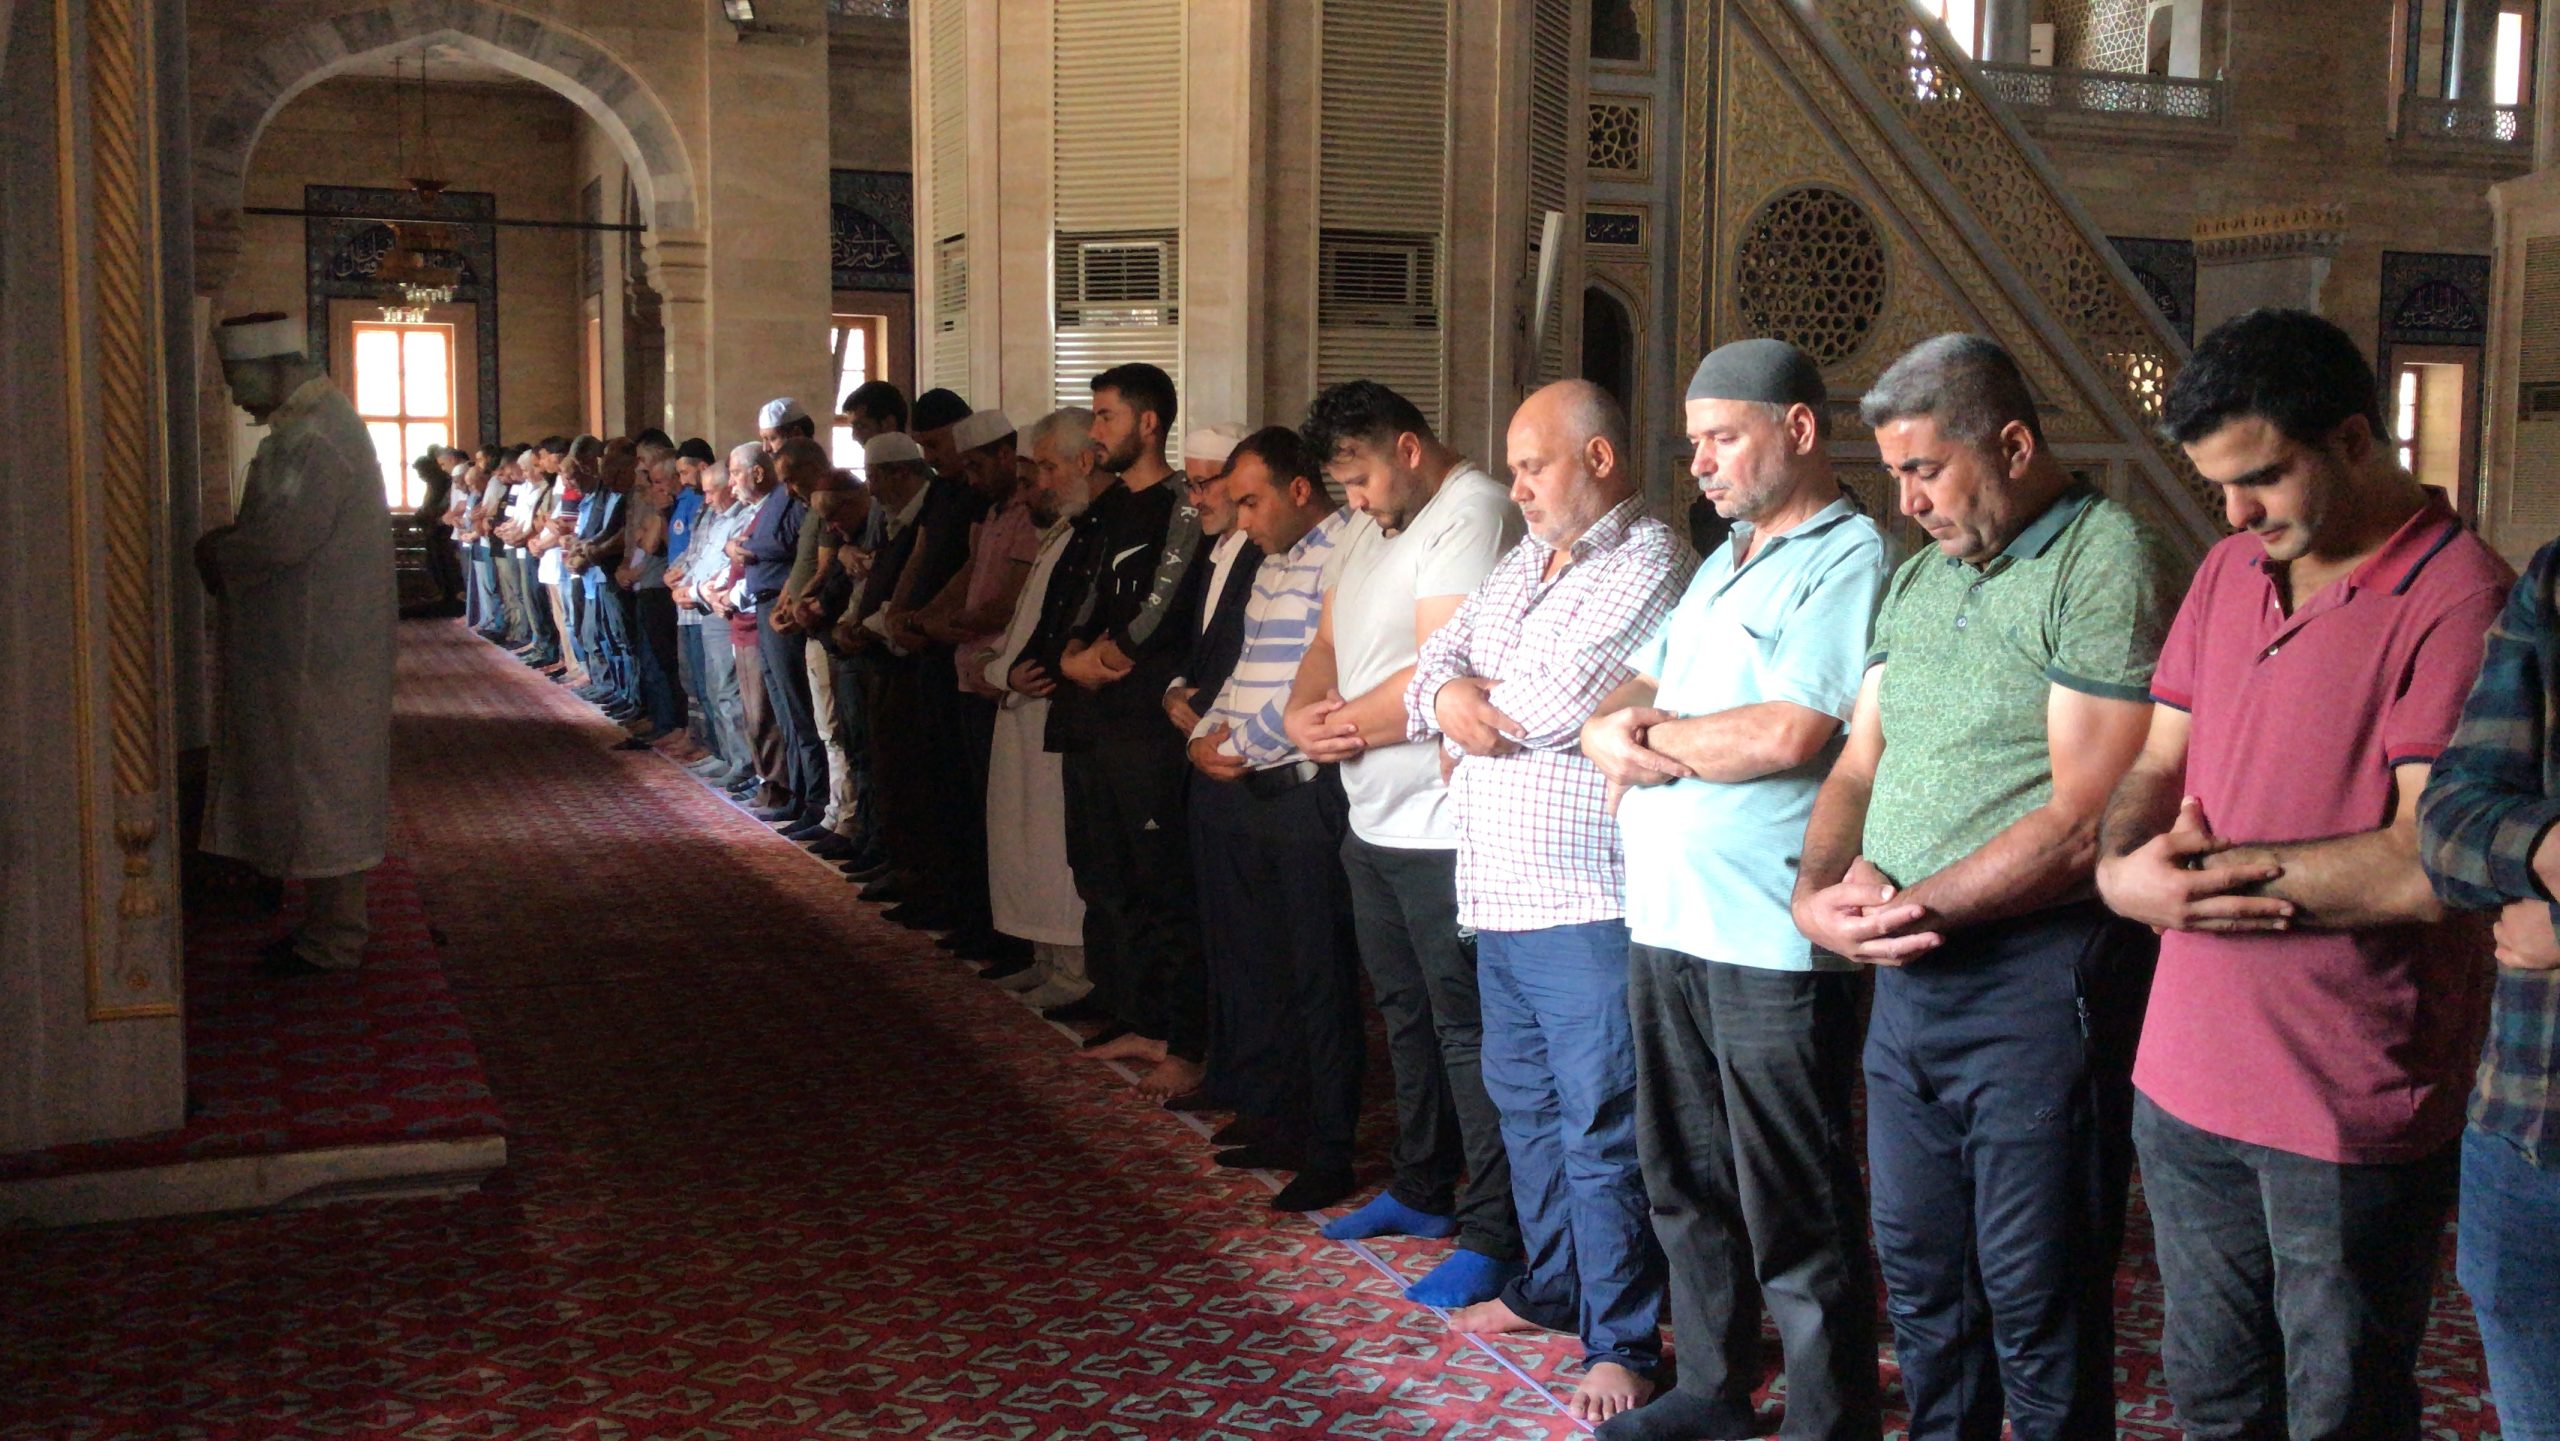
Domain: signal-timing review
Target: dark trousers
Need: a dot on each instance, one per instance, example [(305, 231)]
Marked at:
[(953, 732), (1284, 984), (1125, 843), (1404, 907), (661, 679), (610, 641), (976, 715), (1743, 1083), (786, 695), (2297, 1289), (1999, 1106), (2509, 1263), (900, 780), (851, 677), (546, 629)]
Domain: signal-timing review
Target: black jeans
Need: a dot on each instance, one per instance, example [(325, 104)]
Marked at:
[(2297, 1288), (1284, 980), (1999, 1109), (1743, 1080), (1404, 906), (1127, 843), (786, 694)]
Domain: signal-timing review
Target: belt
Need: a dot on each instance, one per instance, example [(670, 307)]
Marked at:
[(1278, 781)]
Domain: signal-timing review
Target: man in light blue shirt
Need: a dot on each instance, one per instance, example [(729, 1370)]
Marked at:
[(1747, 1038)]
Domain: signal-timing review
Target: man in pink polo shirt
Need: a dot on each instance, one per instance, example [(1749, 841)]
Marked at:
[(2316, 1015)]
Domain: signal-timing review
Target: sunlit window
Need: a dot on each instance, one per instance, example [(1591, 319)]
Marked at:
[(856, 342), (404, 392), (1962, 19), (2404, 420), (2506, 79)]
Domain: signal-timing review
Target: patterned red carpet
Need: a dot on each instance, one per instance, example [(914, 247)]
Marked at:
[(777, 1170), (378, 1055)]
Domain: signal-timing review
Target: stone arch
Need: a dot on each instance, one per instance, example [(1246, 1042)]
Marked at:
[(574, 66)]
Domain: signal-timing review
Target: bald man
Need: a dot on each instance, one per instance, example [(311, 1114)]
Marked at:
[(1505, 688)]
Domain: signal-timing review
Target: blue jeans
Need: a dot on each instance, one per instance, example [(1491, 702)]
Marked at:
[(2508, 1259), (1560, 1065)]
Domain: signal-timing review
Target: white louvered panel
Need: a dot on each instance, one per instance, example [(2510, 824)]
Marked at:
[(950, 349), (2538, 356), (1383, 105), (1550, 156), (1378, 313), (2533, 491), (1407, 362), (1117, 106), (948, 89), (1086, 351), (946, 349)]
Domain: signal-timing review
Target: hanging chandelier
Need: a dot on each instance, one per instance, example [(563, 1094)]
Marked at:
[(419, 262)]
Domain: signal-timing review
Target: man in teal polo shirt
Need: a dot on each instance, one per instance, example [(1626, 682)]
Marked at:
[(1952, 847), (1746, 1037)]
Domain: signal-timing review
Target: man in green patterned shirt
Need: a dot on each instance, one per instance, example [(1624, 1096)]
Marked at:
[(1953, 847)]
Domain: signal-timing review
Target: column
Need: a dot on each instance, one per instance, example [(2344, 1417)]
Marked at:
[(1222, 210), (2474, 49), (2005, 25)]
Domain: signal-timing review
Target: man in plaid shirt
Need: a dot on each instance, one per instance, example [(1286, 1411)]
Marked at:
[(2485, 824), (1506, 685)]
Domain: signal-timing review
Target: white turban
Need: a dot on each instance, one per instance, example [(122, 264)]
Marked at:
[(980, 427), (891, 447), (1212, 442), (259, 337), (779, 413)]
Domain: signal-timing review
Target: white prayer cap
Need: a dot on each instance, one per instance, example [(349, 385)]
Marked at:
[(980, 427), (749, 455), (779, 413), (259, 337), (891, 447), (1212, 442)]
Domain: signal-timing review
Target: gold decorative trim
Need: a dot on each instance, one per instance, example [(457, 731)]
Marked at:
[(110, 221), (2270, 232)]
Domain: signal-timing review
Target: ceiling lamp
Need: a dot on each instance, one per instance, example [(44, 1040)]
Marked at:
[(420, 260)]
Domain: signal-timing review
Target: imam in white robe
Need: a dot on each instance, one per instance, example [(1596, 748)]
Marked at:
[(301, 764)]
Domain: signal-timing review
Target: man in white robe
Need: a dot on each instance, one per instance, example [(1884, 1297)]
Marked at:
[(1030, 887), (305, 602)]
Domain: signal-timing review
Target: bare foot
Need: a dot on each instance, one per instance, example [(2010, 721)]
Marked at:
[(1131, 1047), (1173, 1076), (1489, 1318), (1607, 1389)]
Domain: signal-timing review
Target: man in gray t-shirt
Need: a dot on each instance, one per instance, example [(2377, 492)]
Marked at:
[(1431, 526)]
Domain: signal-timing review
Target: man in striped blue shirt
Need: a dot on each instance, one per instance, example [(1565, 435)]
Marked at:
[(1267, 827)]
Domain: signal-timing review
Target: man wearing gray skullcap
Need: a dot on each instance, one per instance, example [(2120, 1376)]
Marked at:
[(1746, 1037)]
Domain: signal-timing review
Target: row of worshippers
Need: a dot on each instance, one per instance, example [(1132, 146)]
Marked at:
[(1648, 866)]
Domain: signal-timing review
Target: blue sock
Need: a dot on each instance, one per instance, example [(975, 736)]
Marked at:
[(1464, 1279), (1387, 1216)]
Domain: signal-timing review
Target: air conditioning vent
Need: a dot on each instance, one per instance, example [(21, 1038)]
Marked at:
[(1119, 280), (1389, 282)]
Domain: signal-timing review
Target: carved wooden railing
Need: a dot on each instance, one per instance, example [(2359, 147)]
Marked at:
[(1952, 131), (2104, 93), (2425, 117)]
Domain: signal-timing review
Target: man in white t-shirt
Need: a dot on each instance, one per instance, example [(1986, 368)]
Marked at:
[(1431, 525)]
